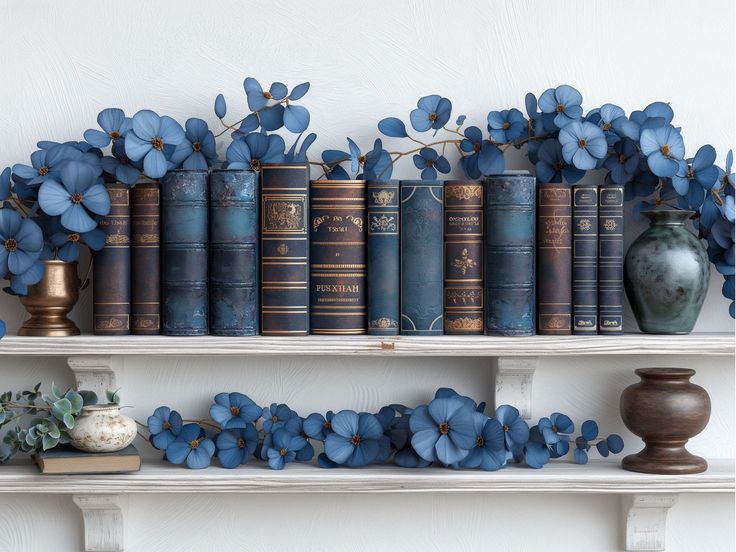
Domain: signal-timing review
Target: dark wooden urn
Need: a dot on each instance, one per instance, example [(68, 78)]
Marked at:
[(665, 410)]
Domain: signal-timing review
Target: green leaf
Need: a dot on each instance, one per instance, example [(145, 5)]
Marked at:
[(53, 430), (2, 415), (112, 396), (89, 397), (65, 405), (55, 390), (49, 442), (48, 398), (68, 421), (76, 401)]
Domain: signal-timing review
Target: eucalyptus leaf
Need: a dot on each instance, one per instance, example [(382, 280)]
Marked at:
[(89, 397), (49, 442), (55, 390), (76, 401), (68, 421)]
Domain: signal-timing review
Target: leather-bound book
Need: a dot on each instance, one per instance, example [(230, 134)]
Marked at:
[(284, 249), (463, 257), (611, 259), (585, 260), (337, 236), (233, 252), (422, 259), (184, 294), (384, 270), (111, 271), (554, 259), (510, 224), (145, 258)]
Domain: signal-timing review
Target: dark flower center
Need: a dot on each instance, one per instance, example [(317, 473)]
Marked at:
[(158, 143), (560, 108), (479, 441), (11, 245), (506, 125), (255, 164), (73, 237), (43, 171), (476, 147), (355, 440), (554, 428), (327, 425), (606, 126), (430, 163), (505, 427), (76, 198), (444, 428), (196, 146), (167, 425), (274, 419), (114, 135), (433, 117), (194, 444), (361, 159), (241, 443), (234, 410), (622, 159), (558, 166), (124, 160), (582, 143), (690, 174), (267, 95), (665, 150), (283, 452)]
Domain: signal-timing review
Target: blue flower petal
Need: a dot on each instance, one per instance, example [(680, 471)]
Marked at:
[(199, 458), (338, 448), (615, 442), (392, 126), (220, 106), (536, 455), (154, 164), (177, 452), (589, 430), (278, 91), (424, 443), (447, 451), (364, 454), (296, 118), (299, 91), (272, 118), (146, 125)]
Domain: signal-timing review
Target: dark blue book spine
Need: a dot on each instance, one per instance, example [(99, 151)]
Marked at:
[(422, 259), (233, 252), (510, 220), (184, 296), (384, 270), (611, 259), (284, 249), (585, 260)]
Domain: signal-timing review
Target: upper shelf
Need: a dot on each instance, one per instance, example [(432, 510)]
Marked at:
[(557, 477), (629, 344)]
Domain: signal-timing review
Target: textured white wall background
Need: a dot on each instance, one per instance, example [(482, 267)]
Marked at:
[(63, 62)]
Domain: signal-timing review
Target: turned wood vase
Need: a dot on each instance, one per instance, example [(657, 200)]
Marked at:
[(665, 409)]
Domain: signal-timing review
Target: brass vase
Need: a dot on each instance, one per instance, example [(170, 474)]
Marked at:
[(51, 300)]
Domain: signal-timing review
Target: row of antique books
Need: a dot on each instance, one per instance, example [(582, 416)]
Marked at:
[(241, 253)]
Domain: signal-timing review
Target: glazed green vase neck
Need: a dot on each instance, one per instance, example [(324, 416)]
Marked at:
[(668, 217)]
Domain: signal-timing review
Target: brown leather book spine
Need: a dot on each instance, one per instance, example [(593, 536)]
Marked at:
[(145, 263), (463, 257), (111, 275), (554, 259)]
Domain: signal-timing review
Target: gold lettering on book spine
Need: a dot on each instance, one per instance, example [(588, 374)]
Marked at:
[(464, 193), (464, 323), (383, 197), (383, 323)]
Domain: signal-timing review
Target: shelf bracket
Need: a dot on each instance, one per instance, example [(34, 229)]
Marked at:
[(95, 373), (645, 518), (514, 383), (103, 522)]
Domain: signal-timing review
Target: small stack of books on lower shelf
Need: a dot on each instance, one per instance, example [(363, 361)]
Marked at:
[(239, 253), (64, 459)]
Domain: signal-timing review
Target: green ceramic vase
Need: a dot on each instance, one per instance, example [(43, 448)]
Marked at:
[(666, 274)]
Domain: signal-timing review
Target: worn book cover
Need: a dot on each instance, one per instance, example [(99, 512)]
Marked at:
[(65, 459), (585, 260)]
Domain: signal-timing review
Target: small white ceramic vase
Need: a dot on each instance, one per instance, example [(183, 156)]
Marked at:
[(102, 428)]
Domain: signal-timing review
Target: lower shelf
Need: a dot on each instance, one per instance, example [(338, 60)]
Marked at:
[(558, 477)]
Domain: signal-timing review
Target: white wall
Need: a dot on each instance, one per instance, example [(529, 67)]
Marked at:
[(63, 62)]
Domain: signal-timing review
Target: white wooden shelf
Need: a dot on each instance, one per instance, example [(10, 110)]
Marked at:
[(602, 476), (629, 344)]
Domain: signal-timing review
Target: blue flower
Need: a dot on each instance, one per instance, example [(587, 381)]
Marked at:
[(234, 410), (700, 169), (46, 164), (165, 425), (538, 123), (255, 149), (114, 125), (507, 125), (21, 242), (536, 454), (120, 166), (604, 118), (551, 166), (443, 430), (623, 161), (257, 98), (563, 101), (489, 452), (432, 112), (67, 243), (19, 282), (377, 164), (516, 430), (284, 448), (555, 432), (664, 148), (79, 193), (355, 439), (583, 144), (154, 140), (275, 416), (5, 184), (234, 446), (318, 427), (198, 150), (447, 392), (472, 143), (192, 447), (429, 161)]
